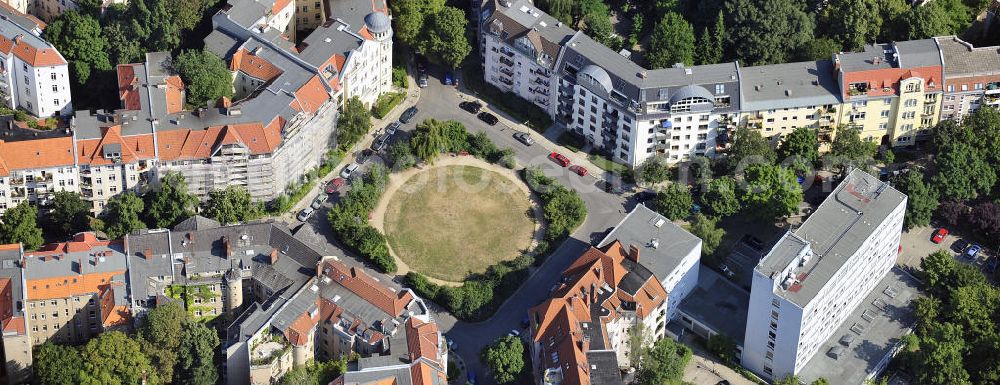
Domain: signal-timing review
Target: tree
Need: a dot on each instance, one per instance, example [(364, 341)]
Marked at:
[(986, 217), (57, 364), (123, 45), (652, 171), (951, 211), (674, 201), (18, 225), (205, 75), (720, 199), (121, 215), (171, 202), (164, 35), (749, 147), (941, 356), (723, 346), (821, 48), (663, 363), (67, 213), (963, 172), (765, 31), (428, 140), (561, 10), (922, 198), (444, 37), (78, 38), (820, 381), (711, 43), (771, 191), (788, 380), (854, 23), (672, 42), (401, 155), (195, 357), (232, 205), (927, 21), (354, 122), (711, 235), (315, 373), (597, 18), (114, 358), (505, 358), (186, 14), (408, 18), (800, 143), (849, 149), (160, 336)]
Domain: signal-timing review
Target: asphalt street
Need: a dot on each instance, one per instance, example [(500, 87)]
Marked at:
[(604, 210)]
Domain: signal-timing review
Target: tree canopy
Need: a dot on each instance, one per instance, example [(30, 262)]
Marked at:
[(853, 23), (121, 215), (771, 191), (232, 205), (707, 229), (505, 358), (57, 364), (354, 122), (720, 198), (749, 147), (663, 363), (674, 201), (114, 358), (801, 143), (206, 77), (672, 42), (429, 140), (767, 31), (170, 202), (67, 213), (922, 199), (79, 39), (18, 225), (444, 37)]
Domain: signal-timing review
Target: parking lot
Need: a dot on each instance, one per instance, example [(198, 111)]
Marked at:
[(917, 244)]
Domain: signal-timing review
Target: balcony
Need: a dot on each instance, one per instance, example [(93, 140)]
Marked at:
[(506, 81), (507, 72), (507, 53), (18, 193), (17, 181), (539, 91), (542, 101), (506, 62)]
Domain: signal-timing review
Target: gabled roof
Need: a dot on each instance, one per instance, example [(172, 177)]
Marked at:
[(128, 86), (132, 148), (366, 287), (253, 65), (35, 154)]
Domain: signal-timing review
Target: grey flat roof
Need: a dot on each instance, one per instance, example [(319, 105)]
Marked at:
[(918, 53), (833, 233), (9, 268), (962, 59), (718, 303), (639, 228), (604, 367), (892, 321), (75, 263), (865, 59), (789, 85)]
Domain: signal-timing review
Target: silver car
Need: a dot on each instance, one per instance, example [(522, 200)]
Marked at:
[(317, 203), (305, 214), (347, 171)]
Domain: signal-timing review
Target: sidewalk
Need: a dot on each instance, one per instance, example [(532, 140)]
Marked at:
[(412, 97), (576, 158)]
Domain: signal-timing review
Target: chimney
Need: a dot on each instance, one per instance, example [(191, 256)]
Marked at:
[(274, 256), (147, 254), (836, 63), (633, 253), (227, 247)]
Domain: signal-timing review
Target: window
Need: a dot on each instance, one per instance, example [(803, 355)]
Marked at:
[(887, 101), (55, 88), (55, 102), (951, 88), (53, 76), (965, 87), (720, 89), (911, 102), (885, 113)]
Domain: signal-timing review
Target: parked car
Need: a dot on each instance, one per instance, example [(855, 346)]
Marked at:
[(318, 202), (514, 333), (959, 245), (939, 235), (524, 137), (561, 159), (333, 185), (488, 118), (407, 115), (452, 344), (422, 80), (363, 156), (472, 107), (753, 242), (972, 251), (727, 271), (380, 142), (578, 170), (392, 128), (350, 169), (421, 64), (448, 78), (611, 186), (305, 214)]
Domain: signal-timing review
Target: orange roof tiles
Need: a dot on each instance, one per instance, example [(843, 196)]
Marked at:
[(366, 287), (34, 154), (133, 148), (422, 340), (298, 332), (128, 87), (35, 57), (63, 287), (14, 324), (279, 5), (199, 144), (10, 246), (175, 94), (311, 96), (254, 66)]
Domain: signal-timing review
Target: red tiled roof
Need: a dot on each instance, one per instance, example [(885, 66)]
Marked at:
[(254, 66), (175, 94), (36, 153), (35, 57), (128, 87), (422, 340), (310, 96), (133, 148), (199, 144), (279, 5), (298, 332), (366, 287)]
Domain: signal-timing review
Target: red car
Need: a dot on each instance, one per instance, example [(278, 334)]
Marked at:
[(333, 185), (578, 170), (559, 158), (939, 235)]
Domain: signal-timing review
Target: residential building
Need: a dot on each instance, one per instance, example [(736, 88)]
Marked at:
[(34, 165), (779, 98), (892, 91), (75, 289), (632, 283), (33, 75), (309, 15), (971, 77), (812, 280), (17, 346)]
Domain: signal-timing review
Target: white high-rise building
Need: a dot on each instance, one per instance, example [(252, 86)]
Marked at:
[(33, 75), (816, 275)]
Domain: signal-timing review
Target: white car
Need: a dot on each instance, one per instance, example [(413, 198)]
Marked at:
[(514, 333), (305, 214), (350, 169)]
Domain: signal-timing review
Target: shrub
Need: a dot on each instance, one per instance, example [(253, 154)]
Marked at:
[(564, 209), (386, 102), (399, 77)]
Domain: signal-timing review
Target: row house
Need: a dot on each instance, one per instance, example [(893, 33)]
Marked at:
[(777, 99), (971, 77), (34, 76), (33, 168), (815, 276)]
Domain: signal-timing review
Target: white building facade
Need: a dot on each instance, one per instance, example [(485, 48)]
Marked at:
[(35, 76), (816, 275)]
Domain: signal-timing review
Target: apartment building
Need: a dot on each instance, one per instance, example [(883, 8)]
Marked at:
[(16, 340), (811, 281), (34, 165), (971, 77), (309, 15), (33, 75), (633, 281), (779, 98)]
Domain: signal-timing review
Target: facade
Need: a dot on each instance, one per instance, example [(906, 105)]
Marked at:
[(17, 345), (816, 275), (635, 280), (777, 99), (33, 168), (309, 15), (971, 77), (33, 75)]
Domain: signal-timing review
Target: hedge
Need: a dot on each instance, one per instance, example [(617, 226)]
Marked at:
[(349, 219), (386, 102)]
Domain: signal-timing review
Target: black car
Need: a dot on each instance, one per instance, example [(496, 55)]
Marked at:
[(364, 155), (407, 115), (959, 245), (488, 118), (380, 142), (392, 128), (472, 107)]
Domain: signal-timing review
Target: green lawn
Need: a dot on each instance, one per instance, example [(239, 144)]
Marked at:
[(607, 164), (447, 222)]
